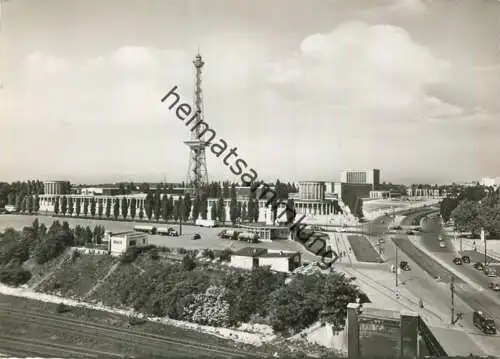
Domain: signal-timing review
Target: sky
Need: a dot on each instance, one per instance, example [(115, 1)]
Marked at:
[(302, 89)]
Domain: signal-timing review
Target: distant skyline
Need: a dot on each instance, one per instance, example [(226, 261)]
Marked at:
[(302, 89)]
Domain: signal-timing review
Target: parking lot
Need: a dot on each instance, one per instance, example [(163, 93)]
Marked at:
[(208, 239)]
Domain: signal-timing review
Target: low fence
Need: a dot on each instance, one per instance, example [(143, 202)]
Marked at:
[(432, 344), (94, 251)]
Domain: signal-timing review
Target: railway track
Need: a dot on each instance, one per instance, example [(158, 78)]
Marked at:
[(19, 346), (159, 344)]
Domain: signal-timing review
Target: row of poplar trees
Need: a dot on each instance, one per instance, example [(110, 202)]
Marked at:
[(162, 207)]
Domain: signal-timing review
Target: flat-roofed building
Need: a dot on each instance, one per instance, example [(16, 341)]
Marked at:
[(118, 243), (363, 176), (278, 260)]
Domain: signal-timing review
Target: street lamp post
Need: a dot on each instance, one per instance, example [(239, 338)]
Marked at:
[(396, 278)]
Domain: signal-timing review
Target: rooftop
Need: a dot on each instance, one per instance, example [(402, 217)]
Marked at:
[(124, 233), (261, 252)]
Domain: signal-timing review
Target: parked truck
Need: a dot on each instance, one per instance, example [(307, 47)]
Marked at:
[(145, 229), (249, 237), (167, 232), (206, 223)]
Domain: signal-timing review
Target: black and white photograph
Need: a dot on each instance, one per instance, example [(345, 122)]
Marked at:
[(249, 179)]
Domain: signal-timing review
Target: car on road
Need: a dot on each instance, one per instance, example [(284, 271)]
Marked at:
[(196, 236), (442, 245), (457, 261), (466, 259), (396, 228), (381, 240), (484, 322), (494, 286), (404, 266), (479, 266), (410, 233), (490, 272)]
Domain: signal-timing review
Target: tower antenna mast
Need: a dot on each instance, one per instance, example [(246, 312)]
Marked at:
[(197, 176)]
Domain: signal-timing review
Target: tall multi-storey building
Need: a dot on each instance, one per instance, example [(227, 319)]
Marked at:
[(369, 176), (490, 182)]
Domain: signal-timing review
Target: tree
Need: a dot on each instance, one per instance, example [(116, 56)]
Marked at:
[(186, 209), (238, 210), (149, 204), (157, 204), (358, 208), (108, 208), (251, 210), (29, 203), (221, 210), (141, 211), (244, 212), (78, 206), (89, 235), (124, 207), (71, 207), (36, 204), (177, 209), (204, 208), (92, 206), (233, 208), (196, 208), (86, 203), (213, 211), (164, 206), (100, 207), (56, 206), (188, 263), (133, 207), (64, 205), (116, 208), (23, 204), (256, 210), (98, 234), (446, 207), (466, 217), (290, 217)]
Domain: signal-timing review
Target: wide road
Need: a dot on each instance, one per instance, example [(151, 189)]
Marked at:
[(430, 239), (430, 281)]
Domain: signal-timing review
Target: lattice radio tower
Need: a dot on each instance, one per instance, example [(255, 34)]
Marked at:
[(197, 176)]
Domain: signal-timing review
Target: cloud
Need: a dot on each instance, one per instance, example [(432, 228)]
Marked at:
[(362, 67)]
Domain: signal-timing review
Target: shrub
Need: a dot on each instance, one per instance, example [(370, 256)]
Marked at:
[(208, 253), (182, 250), (209, 308), (62, 308), (129, 255), (226, 255), (188, 263), (154, 254), (14, 276)]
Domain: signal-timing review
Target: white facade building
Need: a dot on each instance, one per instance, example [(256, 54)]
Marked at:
[(279, 261), (118, 243), (490, 181), (363, 176)]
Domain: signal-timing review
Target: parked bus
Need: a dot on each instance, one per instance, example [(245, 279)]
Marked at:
[(145, 229), (484, 323)]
